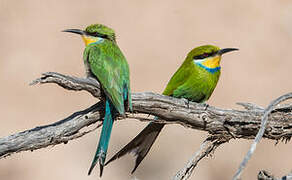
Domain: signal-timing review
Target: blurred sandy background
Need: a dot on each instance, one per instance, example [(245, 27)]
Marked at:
[(155, 37)]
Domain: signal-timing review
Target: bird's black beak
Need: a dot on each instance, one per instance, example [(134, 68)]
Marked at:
[(226, 50), (76, 31)]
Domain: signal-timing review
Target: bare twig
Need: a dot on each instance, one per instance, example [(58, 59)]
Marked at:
[(207, 147), (69, 82), (250, 106), (260, 134)]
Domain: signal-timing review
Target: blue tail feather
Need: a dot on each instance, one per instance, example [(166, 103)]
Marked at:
[(107, 125), (127, 97)]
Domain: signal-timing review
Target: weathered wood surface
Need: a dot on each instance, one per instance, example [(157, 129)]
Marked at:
[(221, 123)]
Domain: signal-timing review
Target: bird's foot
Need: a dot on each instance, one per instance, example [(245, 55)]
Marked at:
[(187, 102), (205, 106)]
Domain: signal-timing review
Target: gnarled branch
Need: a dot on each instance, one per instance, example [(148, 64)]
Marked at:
[(227, 123)]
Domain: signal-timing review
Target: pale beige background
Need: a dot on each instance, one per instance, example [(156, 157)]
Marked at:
[(155, 37)]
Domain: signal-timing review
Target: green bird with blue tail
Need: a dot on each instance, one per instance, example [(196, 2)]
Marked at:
[(195, 80), (105, 62)]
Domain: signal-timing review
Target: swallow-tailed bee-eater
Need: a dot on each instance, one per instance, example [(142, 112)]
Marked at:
[(195, 80), (105, 62)]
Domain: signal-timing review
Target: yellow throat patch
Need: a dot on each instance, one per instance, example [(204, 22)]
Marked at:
[(212, 62), (90, 39)]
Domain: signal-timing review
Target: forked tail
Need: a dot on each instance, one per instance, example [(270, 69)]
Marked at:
[(141, 144), (102, 147)]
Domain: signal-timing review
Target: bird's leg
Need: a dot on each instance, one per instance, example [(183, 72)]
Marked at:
[(187, 102), (205, 106)]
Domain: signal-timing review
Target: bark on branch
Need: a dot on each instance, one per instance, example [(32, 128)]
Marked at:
[(221, 123), (265, 175)]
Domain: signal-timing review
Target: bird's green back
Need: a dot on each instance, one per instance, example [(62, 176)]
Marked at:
[(110, 67)]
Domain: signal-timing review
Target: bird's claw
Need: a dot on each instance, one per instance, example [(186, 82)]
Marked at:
[(205, 106), (187, 102)]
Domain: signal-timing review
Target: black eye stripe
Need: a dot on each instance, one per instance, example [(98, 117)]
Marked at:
[(98, 35), (205, 55)]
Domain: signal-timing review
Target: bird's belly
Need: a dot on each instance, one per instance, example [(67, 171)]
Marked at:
[(203, 88)]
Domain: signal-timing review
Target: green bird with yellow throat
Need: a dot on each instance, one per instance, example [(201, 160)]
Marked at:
[(195, 80), (105, 62)]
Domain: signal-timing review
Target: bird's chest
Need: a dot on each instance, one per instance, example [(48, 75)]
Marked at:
[(205, 83), (208, 80)]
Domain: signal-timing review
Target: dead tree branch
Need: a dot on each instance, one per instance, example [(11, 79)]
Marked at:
[(260, 134), (213, 142), (226, 123)]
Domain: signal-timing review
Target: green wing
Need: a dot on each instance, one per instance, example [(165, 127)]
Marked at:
[(186, 83), (110, 67), (178, 79), (190, 91)]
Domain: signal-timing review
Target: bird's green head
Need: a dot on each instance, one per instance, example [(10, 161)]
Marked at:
[(95, 33), (207, 57)]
